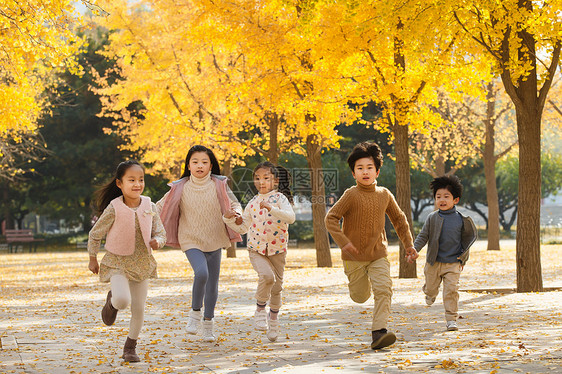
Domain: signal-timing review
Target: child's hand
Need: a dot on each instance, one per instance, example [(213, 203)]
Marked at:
[(349, 247), (411, 254), (230, 213), (93, 265), (239, 219), (462, 266), (153, 244), (266, 205)]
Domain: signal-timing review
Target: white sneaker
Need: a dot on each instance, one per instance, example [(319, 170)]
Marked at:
[(272, 329), (208, 335), (260, 320), (452, 326), (429, 300), (193, 322)]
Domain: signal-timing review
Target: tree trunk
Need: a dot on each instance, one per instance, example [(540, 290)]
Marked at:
[(227, 171), (529, 272), (439, 166), (490, 172), (403, 192), (318, 200), (273, 122), (529, 103), (6, 203)]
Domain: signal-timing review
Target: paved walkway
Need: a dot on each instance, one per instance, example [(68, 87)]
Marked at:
[(50, 323)]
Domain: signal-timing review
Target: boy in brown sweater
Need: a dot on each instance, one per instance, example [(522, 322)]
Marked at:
[(362, 237)]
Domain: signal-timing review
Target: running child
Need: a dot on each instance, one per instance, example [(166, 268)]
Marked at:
[(266, 219), (192, 216), (132, 228)]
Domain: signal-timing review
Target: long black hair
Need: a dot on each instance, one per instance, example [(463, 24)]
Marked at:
[(215, 167), (110, 191), (281, 174)]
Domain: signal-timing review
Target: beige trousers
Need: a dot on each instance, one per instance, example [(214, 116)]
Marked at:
[(125, 292), (450, 275), (366, 275), (270, 271)]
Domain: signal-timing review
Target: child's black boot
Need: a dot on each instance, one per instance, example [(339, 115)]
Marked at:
[(382, 338)]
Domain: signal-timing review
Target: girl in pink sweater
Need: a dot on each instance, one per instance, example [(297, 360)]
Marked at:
[(132, 228), (192, 216), (266, 219)]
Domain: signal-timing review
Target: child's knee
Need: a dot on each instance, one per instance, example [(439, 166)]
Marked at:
[(201, 275), (359, 296), (120, 301), (267, 279)]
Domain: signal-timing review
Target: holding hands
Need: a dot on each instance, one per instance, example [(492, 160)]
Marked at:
[(411, 254), (231, 214)]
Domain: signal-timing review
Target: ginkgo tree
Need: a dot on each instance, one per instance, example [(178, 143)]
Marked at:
[(473, 127), (523, 38), (238, 78), (395, 53), (37, 39)]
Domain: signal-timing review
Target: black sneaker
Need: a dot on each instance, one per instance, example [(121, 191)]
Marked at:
[(382, 338)]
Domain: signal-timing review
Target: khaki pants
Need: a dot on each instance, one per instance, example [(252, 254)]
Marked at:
[(450, 274), (366, 275), (270, 271)]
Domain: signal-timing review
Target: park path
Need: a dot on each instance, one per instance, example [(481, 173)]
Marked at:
[(50, 323)]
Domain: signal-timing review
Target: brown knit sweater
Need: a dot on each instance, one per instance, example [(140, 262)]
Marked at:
[(363, 209)]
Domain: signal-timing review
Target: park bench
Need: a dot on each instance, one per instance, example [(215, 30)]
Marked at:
[(16, 237)]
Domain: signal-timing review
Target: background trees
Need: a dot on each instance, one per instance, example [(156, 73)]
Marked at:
[(524, 40), (263, 79)]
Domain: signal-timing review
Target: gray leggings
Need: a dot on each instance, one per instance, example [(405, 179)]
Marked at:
[(206, 268)]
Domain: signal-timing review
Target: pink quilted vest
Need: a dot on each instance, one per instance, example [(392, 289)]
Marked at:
[(170, 213), (120, 239)]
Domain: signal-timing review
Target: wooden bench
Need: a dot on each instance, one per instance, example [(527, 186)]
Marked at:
[(17, 237)]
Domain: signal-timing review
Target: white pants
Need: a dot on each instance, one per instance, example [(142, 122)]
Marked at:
[(125, 292)]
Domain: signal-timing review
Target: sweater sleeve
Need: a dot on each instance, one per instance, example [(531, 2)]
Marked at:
[(234, 204), (285, 211), (160, 203), (423, 236), (399, 221), (244, 226), (100, 230), (335, 214), (158, 231)]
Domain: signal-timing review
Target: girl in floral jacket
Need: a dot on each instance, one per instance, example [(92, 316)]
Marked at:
[(266, 220)]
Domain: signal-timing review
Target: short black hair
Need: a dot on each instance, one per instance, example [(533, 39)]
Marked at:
[(365, 149), (450, 182)]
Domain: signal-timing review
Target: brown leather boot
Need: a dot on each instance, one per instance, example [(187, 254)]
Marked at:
[(108, 313), (129, 353)]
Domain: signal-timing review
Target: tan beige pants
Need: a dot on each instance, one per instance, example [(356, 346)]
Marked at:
[(450, 275), (270, 271), (366, 275)]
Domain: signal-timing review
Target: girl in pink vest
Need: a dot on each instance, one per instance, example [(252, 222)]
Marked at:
[(192, 216), (266, 219), (130, 224)]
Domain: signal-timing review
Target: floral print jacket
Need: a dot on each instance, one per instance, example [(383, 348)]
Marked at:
[(267, 230)]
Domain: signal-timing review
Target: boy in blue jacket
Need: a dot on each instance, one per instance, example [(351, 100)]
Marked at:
[(449, 235)]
